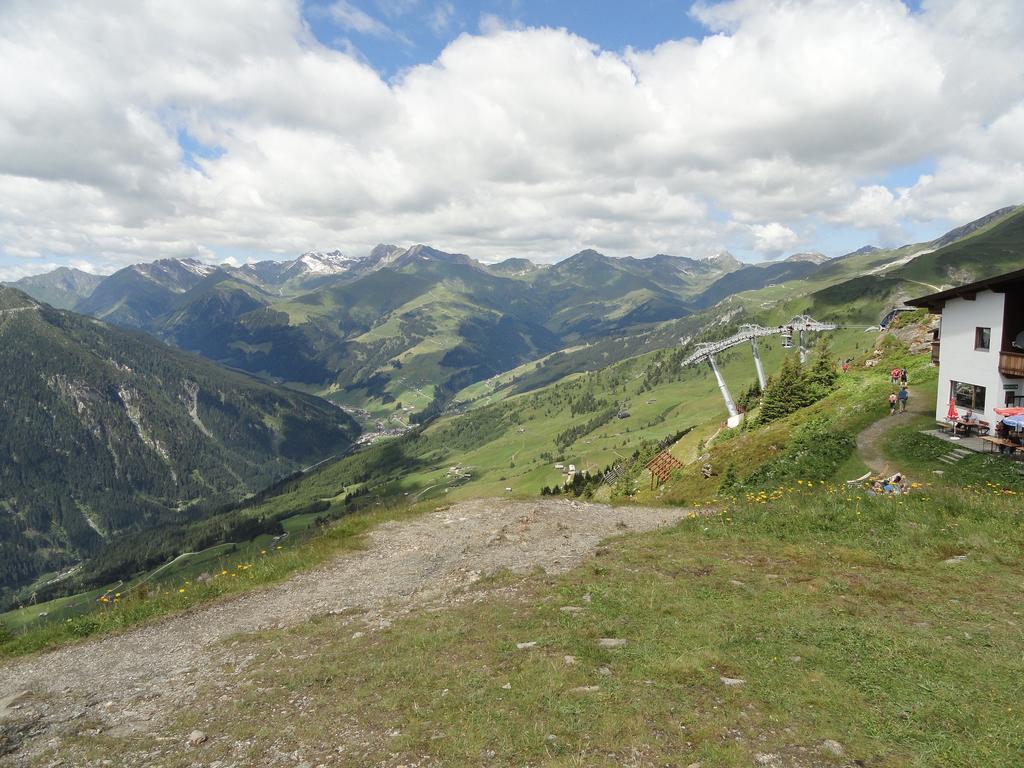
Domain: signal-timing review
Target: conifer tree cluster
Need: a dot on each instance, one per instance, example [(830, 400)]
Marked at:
[(795, 387)]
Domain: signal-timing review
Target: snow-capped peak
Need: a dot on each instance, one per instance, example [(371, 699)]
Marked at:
[(322, 263), (720, 256), (722, 260), (197, 267)]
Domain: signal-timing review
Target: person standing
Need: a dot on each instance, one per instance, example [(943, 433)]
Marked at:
[(892, 403), (903, 396), (846, 366)]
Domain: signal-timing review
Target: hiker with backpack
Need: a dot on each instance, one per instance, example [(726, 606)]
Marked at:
[(892, 403)]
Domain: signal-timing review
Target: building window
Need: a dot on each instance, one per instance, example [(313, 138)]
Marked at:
[(982, 338), (967, 395)]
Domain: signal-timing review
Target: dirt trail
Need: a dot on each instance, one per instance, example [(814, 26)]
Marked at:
[(126, 682), (869, 441)]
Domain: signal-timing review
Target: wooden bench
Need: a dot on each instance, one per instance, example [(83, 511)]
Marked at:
[(1002, 442), (981, 427)]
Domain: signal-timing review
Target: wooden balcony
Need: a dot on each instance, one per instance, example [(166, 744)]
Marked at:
[(935, 353), (1011, 364)]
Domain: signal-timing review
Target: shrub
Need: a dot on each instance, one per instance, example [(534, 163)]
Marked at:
[(83, 626), (815, 453), (787, 392)]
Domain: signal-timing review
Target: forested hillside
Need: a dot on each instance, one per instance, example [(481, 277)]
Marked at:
[(103, 432)]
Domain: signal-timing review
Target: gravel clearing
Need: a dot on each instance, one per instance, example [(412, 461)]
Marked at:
[(126, 683)]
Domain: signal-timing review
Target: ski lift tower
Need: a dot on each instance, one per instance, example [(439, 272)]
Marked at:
[(806, 324), (706, 351), (753, 332)]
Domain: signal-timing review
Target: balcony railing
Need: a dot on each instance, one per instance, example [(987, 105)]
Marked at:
[(935, 353), (1011, 364)]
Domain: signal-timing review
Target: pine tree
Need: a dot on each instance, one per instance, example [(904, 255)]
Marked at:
[(750, 397), (821, 377), (787, 392)]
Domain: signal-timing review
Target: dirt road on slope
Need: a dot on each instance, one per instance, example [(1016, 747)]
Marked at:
[(126, 682), (870, 440)]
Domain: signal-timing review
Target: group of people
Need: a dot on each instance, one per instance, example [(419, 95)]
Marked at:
[(1005, 432), (898, 397), (895, 485)]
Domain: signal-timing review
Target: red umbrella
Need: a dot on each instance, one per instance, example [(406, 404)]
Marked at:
[(953, 413)]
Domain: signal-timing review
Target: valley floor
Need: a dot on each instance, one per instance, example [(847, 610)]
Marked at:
[(122, 685)]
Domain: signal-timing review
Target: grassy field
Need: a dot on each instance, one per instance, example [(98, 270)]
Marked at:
[(820, 628), (517, 449), (522, 456)]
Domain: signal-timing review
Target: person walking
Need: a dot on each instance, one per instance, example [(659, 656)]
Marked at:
[(892, 403), (902, 397), (846, 366), (903, 376), (894, 376)]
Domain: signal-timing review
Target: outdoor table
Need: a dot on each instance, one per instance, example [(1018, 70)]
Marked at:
[(967, 426), (1002, 442)]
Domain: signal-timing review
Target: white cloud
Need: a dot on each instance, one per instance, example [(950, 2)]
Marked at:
[(357, 20), (874, 206), (515, 141), (774, 238), (440, 19)]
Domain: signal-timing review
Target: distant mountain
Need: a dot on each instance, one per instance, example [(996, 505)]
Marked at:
[(753, 277), (316, 263), (397, 320), (136, 295), (402, 328), (988, 246), (62, 288), (862, 250), (513, 268), (105, 432), (724, 261), (970, 228), (812, 257)]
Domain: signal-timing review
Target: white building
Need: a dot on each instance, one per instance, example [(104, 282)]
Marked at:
[(980, 345)]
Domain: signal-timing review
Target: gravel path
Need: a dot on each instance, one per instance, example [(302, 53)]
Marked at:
[(869, 441), (127, 681)]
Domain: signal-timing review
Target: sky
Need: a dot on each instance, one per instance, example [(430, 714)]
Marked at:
[(236, 130)]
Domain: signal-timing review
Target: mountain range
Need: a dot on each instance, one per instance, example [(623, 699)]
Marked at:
[(412, 325), (104, 432), (407, 328)]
